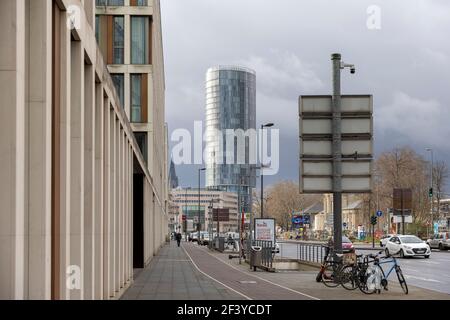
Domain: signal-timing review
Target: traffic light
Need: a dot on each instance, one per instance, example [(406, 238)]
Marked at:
[(373, 220), (430, 192)]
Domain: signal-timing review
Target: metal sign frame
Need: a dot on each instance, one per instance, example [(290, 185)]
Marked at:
[(316, 159), (273, 236)]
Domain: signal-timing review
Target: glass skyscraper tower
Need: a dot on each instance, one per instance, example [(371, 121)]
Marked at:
[(230, 105)]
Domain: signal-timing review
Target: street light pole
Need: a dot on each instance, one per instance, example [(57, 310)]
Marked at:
[(432, 190), (185, 215), (337, 148), (199, 221), (268, 125)]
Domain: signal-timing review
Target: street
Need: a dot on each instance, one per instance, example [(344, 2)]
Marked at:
[(432, 273)]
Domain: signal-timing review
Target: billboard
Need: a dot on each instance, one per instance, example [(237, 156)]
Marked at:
[(223, 215), (265, 229), (316, 139)]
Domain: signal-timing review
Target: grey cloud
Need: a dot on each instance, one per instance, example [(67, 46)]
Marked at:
[(405, 65)]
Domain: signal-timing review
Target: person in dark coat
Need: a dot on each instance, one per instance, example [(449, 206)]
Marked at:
[(178, 238)]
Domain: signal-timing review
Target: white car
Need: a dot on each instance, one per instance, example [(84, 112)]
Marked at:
[(385, 239), (407, 246)]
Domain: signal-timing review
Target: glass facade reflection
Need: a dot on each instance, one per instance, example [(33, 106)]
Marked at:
[(230, 104)]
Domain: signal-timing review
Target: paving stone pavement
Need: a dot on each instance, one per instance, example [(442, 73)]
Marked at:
[(172, 276)]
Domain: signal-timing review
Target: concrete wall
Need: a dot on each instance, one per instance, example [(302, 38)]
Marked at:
[(74, 241)]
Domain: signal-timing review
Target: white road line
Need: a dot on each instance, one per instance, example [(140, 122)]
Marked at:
[(248, 298), (423, 279), (276, 284)]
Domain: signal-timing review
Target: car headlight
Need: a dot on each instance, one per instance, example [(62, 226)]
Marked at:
[(408, 247)]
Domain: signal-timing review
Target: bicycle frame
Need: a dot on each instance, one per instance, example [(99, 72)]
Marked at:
[(386, 261)]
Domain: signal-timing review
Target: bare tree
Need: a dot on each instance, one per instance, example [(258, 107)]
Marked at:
[(283, 198), (402, 168), (440, 177)]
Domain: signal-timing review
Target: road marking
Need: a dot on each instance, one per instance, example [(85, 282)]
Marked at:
[(195, 265), (276, 284), (423, 279)]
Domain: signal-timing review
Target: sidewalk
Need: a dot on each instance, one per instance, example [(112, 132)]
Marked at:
[(196, 273), (172, 276)]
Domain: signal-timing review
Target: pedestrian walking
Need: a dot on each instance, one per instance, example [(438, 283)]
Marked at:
[(178, 238)]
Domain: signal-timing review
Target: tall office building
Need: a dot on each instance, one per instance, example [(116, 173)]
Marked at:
[(129, 35), (79, 207), (230, 104)]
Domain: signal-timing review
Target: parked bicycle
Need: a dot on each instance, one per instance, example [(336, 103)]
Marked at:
[(375, 278), (353, 274), (331, 268)]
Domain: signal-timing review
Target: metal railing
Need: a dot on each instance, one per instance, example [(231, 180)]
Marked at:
[(301, 251), (267, 254)]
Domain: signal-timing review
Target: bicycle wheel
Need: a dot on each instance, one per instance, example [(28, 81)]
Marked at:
[(330, 276), (349, 277), (365, 280), (401, 279)]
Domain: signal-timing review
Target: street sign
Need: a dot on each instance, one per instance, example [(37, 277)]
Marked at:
[(222, 214), (402, 202), (398, 219), (265, 229), (379, 213), (316, 158)]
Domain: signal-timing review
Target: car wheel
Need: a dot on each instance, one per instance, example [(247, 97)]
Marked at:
[(427, 257), (381, 244), (387, 252), (402, 254), (441, 247)]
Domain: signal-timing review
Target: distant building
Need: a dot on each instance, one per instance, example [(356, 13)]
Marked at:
[(173, 178), (187, 202), (230, 104)]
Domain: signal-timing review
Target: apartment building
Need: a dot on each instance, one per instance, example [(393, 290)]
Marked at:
[(81, 204)]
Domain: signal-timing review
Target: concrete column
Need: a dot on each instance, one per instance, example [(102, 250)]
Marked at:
[(12, 150), (77, 167), (99, 195), (123, 213), (130, 181), (89, 123), (117, 206), (106, 198), (120, 211), (39, 114), (112, 201), (65, 155)]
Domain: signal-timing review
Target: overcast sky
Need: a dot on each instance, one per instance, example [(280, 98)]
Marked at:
[(405, 65)]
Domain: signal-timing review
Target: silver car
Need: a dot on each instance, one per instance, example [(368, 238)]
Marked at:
[(440, 241)]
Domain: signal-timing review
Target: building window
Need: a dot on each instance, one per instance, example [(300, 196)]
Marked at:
[(141, 139), (139, 100), (118, 40), (118, 80), (139, 40), (138, 3), (115, 3)]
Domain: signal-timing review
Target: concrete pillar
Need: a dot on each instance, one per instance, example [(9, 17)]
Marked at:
[(99, 194), (112, 201), (39, 141), (65, 155), (12, 150), (106, 199), (116, 204), (89, 123), (77, 167)]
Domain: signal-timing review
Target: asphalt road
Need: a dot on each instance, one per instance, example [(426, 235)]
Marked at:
[(432, 273)]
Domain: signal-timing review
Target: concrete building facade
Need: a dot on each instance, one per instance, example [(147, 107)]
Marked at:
[(186, 200), (80, 206)]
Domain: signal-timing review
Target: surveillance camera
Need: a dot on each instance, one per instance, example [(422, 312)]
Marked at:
[(352, 70)]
